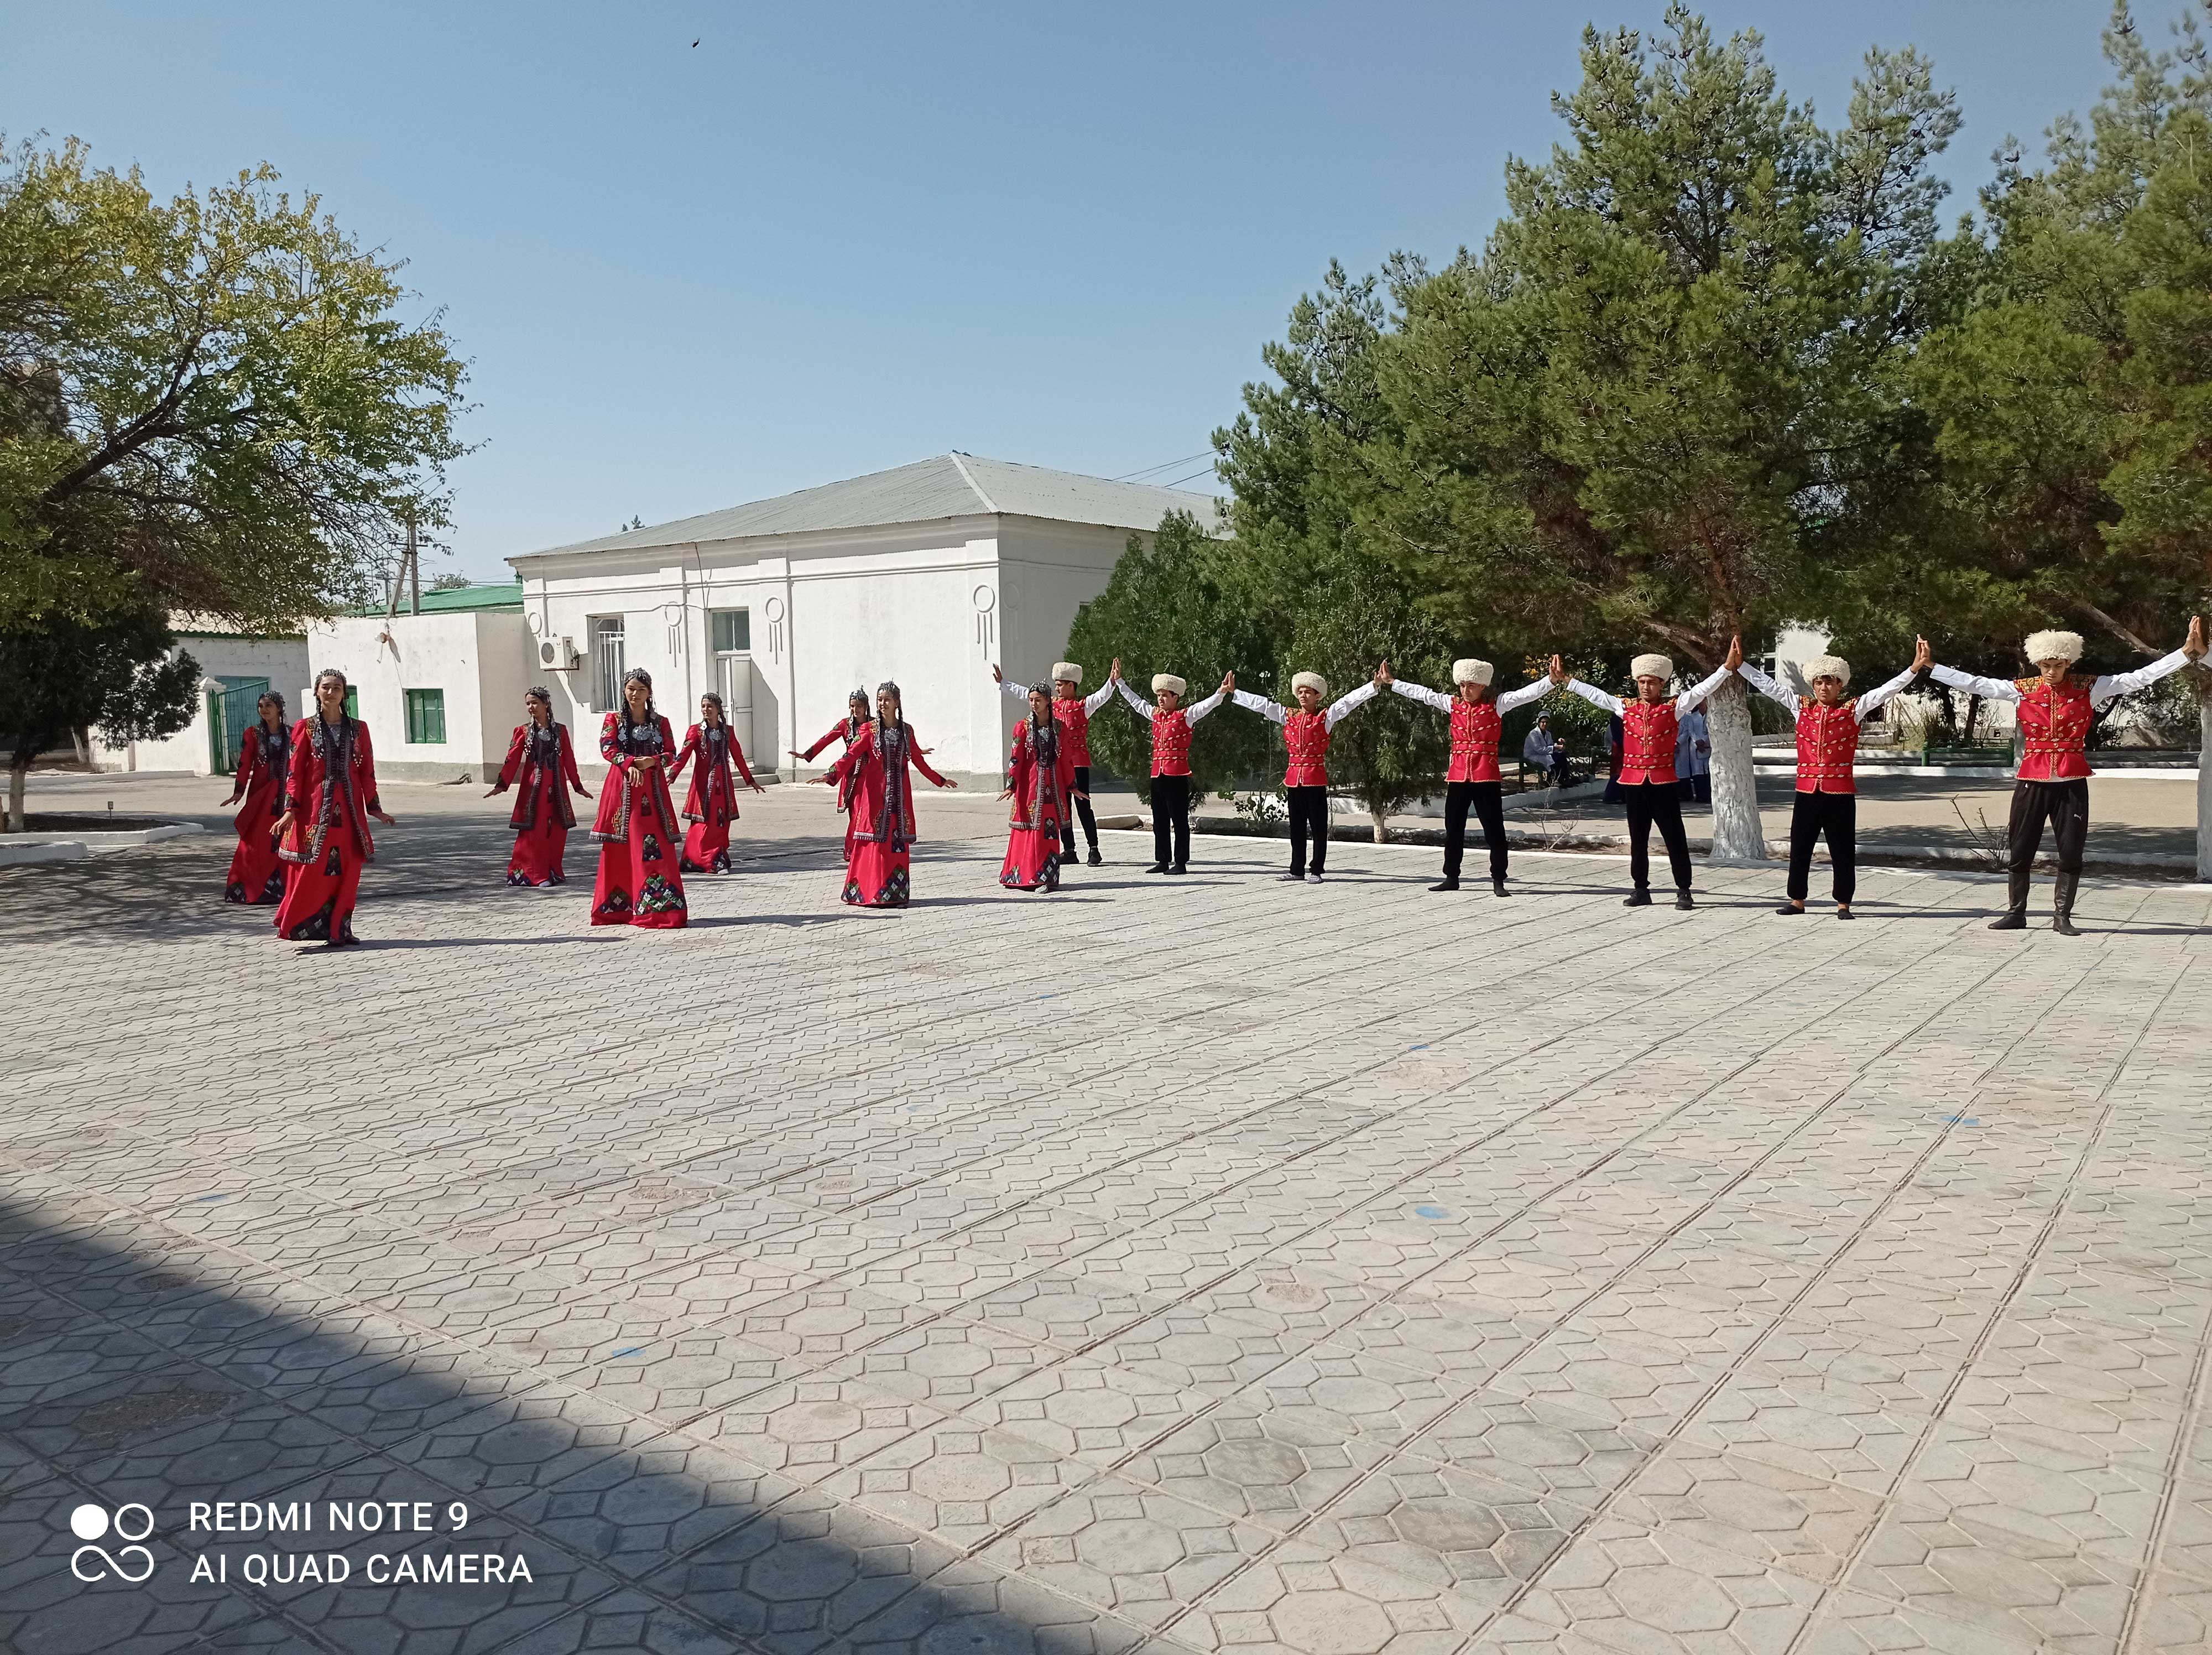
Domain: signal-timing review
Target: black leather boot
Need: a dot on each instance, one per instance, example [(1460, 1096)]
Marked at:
[(2015, 918), (2062, 904)]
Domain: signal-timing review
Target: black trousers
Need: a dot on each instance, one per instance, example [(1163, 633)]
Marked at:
[(2065, 805), (1488, 799), (1648, 802), (1308, 813), (1082, 809), (1171, 814), (1837, 815)]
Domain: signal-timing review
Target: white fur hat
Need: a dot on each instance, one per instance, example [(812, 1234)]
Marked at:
[(1471, 670), (1066, 672), (2053, 645), (1828, 667), (1651, 666), (1167, 681), (1313, 681)]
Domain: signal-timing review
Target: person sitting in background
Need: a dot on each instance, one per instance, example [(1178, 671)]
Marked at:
[(1537, 748)]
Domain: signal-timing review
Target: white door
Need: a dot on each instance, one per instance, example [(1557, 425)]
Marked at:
[(736, 674)]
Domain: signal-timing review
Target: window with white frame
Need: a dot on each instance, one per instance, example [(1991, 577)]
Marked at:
[(608, 660)]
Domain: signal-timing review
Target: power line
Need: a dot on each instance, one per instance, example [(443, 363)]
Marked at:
[(1164, 465), (1201, 471)]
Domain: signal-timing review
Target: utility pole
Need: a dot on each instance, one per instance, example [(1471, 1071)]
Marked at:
[(414, 570)]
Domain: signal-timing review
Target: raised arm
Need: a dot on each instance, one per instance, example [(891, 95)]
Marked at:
[(1973, 682), (1592, 694), (1521, 697), (2121, 684), (1694, 697), (1872, 700), (1098, 698), (1145, 709), (1426, 697), (1348, 704), (1773, 691), (1199, 709), (1018, 691), (835, 732), (914, 748), (1272, 711)]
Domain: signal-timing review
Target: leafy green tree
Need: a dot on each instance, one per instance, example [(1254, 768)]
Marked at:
[(1171, 608), (1664, 402), (62, 676), (211, 404)]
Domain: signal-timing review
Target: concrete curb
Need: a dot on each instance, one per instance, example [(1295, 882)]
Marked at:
[(45, 851), (16, 848)]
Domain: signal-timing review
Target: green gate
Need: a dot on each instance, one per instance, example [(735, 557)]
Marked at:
[(232, 711)]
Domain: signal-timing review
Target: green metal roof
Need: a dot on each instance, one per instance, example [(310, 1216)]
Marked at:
[(497, 594)]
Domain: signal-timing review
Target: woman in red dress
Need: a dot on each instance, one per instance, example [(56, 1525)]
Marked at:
[(542, 755), (323, 832), (265, 763), (712, 804), (881, 791), (1040, 781), (847, 729), (636, 828)]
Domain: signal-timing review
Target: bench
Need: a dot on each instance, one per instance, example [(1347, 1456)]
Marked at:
[(1998, 753)]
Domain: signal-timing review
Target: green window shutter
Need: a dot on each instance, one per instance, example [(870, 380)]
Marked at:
[(733, 631), (352, 701), (426, 716)]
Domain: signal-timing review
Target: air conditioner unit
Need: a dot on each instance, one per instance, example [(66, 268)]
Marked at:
[(559, 654)]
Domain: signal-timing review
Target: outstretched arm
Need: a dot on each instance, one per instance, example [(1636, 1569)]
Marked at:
[(1348, 704), (1199, 709), (1868, 703), (1098, 698), (1524, 695), (1774, 692), (1426, 697), (1973, 682), (922, 765), (1691, 698), (1252, 702), (1145, 709), (690, 750), (1592, 694), (2121, 684)]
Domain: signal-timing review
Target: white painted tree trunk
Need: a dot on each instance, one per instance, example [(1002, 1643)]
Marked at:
[(2203, 678), (17, 775), (1739, 836)]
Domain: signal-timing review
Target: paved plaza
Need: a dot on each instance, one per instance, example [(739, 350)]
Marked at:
[(1207, 1265)]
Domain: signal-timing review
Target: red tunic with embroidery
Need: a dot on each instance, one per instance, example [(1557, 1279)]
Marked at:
[(1475, 730), (1827, 745), (1074, 720), (1170, 743), (2057, 725), (1647, 730), (1306, 735)]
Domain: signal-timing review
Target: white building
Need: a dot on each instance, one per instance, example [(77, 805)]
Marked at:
[(925, 574), (235, 669)]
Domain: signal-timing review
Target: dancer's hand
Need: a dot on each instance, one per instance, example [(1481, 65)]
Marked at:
[(283, 825), (756, 787), (996, 676), (1006, 794), (1384, 676), (1922, 657), (2193, 645), (1085, 797), (1114, 672), (491, 792), (584, 791), (388, 821), (1734, 654)]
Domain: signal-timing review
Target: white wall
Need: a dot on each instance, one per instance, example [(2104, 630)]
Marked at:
[(1047, 571), (480, 658), (283, 661)]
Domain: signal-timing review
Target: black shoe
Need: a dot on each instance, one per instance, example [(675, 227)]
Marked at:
[(1445, 885), (1096, 860), (2013, 919), (1636, 899), (1682, 901), (1844, 911), (1157, 867), (1790, 907), (1178, 868), (2062, 904), (1498, 888)]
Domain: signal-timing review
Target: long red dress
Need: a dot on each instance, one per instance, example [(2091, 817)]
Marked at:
[(882, 833), (1041, 772), (257, 874), (848, 730), (637, 830), (331, 790), (712, 803), (545, 760)]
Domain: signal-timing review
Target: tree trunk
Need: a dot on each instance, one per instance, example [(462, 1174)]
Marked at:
[(1739, 836), (1375, 816), (19, 776), (2202, 676)]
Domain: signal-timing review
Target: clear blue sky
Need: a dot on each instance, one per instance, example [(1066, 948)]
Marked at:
[(831, 238)]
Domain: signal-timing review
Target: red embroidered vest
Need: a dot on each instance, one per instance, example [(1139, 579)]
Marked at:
[(1647, 742), (1074, 723), (1170, 743), (1475, 729), (2057, 725), (1828, 745), (1306, 734)]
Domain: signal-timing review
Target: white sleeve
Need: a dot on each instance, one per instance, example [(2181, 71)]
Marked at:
[(1201, 708), (1253, 702), (1143, 707), (1773, 691), (1688, 699), (1098, 698), (1524, 695), (1592, 694), (1987, 689), (2123, 684), (1352, 703), (1873, 698), (1018, 691), (1427, 698)]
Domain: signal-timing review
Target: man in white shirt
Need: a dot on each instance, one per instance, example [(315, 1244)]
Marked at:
[(1170, 779), (2053, 785), (1306, 731), (1473, 781), (1649, 725)]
